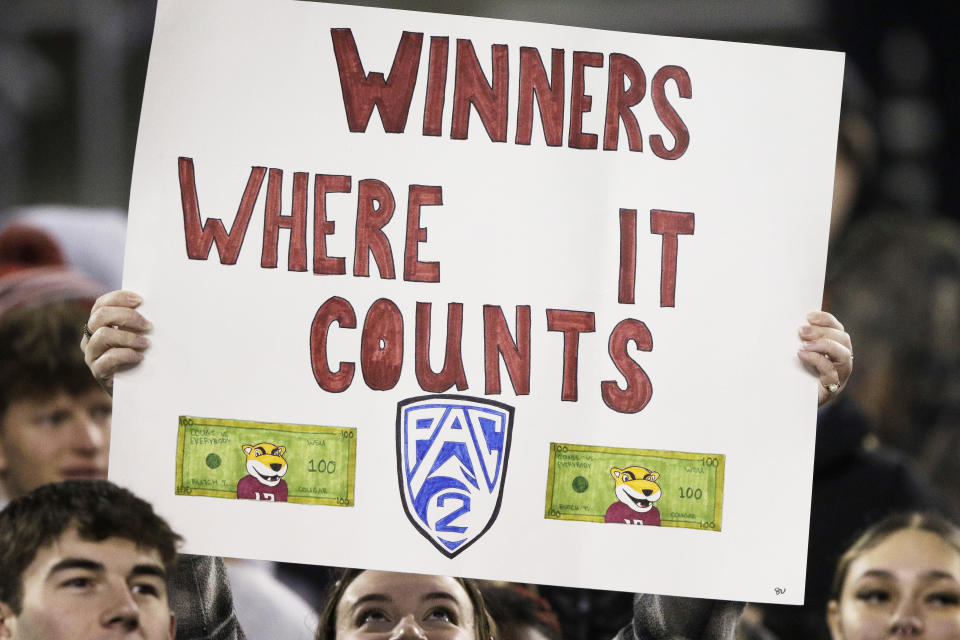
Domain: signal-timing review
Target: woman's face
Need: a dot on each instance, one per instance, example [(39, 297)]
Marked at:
[(380, 604), (908, 585)]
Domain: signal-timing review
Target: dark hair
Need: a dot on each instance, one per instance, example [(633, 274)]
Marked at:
[(40, 352), (514, 607), (880, 531), (97, 509), (327, 625)]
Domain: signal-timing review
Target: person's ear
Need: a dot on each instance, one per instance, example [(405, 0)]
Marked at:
[(6, 621), (833, 620)]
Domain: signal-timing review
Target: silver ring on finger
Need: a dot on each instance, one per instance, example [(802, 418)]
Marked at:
[(86, 331)]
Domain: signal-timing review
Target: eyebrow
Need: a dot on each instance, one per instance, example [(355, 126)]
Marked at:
[(149, 569), (938, 574), (370, 597), (143, 569), (380, 597), (440, 594), (934, 574), (77, 563)]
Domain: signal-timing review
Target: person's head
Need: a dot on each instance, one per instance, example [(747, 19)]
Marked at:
[(900, 578), (81, 560), (54, 417), (895, 281), (520, 614), (366, 604)]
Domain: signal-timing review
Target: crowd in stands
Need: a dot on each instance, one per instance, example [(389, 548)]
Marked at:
[(81, 558), (79, 553)]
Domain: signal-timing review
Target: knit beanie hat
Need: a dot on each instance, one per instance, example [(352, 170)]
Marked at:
[(33, 271)]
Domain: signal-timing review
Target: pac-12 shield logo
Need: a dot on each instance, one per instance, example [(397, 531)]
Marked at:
[(451, 461)]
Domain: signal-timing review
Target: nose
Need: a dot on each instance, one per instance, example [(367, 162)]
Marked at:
[(906, 620), (408, 629), (120, 611), (276, 466), (647, 492), (89, 436)]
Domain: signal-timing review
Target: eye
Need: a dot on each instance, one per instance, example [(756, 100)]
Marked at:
[(368, 616), (441, 614), (53, 419), (627, 476), (258, 452), (77, 582), (873, 596), (101, 412), (146, 588), (276, 452), (943, 598), (650, 477)]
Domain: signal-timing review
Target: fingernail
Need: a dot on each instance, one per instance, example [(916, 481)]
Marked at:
[(141, 342), (806, 344), (134, 298), (148, 326)]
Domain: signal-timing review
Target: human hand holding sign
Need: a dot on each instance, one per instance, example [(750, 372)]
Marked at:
[(114, 340), (827, 350)]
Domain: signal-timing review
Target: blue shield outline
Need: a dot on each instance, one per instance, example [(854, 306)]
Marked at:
[(485, 479)]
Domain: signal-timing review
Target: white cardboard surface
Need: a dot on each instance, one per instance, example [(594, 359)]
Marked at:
[(236, 84)]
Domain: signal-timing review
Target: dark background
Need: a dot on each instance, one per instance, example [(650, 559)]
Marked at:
[(72, 74)]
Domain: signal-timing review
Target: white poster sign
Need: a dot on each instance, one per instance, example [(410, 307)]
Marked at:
[(476, 297)]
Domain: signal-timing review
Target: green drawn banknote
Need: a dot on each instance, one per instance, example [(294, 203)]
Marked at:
[(266, 461), (635, 486)]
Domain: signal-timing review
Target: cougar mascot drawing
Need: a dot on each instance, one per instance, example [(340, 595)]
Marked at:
[(636, 489), (265, 470)]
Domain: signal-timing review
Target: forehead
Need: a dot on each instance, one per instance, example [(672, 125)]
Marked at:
[(56, 398), (403, 587), (909, 552), (117, 555)]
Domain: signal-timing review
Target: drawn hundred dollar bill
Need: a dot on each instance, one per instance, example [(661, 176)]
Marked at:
[(266, 461), (635, 486)]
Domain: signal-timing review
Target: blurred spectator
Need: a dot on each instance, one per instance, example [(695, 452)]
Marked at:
[(520, 614), (895, 281), (90, 239), (586, 614), (856, 164), (267, 608), (898, 289), (54, 418)]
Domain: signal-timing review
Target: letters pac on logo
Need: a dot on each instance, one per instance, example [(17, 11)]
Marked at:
[(451, 461)]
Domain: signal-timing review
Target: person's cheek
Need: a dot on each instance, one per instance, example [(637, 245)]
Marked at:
[(939, 627), (864, 625)]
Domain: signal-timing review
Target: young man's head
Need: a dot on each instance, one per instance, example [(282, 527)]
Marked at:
[(81, 560), (54, 417)]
